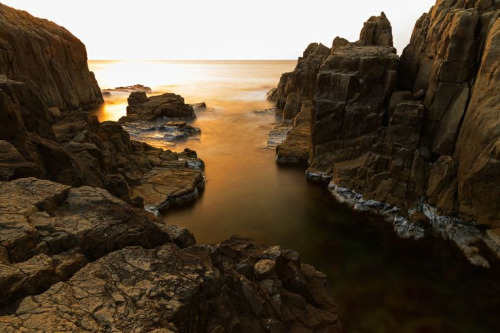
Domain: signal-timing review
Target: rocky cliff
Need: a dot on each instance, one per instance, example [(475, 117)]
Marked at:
[(48, 57), (75, 149), (416, 138), (78, 251)]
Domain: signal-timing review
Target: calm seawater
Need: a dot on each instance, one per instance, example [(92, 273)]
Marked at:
[(380, 282)]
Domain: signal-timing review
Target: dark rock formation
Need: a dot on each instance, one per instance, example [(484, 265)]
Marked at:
[(299, 85), (77, 150), (52, 233), (295, 149), (129, 89), (141, 107), (237, 285), (417, 136), (48, 57), (377, 31), (77, 258)]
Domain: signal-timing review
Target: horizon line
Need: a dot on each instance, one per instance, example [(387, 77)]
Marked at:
[(135, 59)]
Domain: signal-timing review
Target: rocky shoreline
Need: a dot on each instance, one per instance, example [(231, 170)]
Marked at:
[(79, 250), (412, 138)]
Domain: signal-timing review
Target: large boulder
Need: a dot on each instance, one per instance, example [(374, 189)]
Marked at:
[(48, 57), (168, 105)]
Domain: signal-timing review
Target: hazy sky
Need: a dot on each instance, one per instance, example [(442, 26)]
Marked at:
[(218, 29)]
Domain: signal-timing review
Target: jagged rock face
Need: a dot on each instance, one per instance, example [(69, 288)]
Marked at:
[(296, 148), (126, 270), (478, 145), (422, 130), (45, 55), (75, 149), (169, 105), (352, 85), (299, 85), (224, 288), (377, 31), (316, 68), (452, 62)]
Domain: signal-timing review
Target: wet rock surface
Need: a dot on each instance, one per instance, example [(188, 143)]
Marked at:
[(168, 105), (75, 149), (49, 58), (416, 135), (128, 89)]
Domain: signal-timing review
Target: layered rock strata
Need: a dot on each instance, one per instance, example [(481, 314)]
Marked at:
[(414, 138), (48, 57)]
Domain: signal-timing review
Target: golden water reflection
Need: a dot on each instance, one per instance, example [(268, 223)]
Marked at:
[(382, 283)]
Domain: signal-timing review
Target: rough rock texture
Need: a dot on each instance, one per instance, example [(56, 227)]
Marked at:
[(452, 60), (75, 149), (295, 149), (48, 57), (296, 90), (235, 286), (377, 31), (299, 85), (141, 107), (123, 272), (416, 136), (49, 230)]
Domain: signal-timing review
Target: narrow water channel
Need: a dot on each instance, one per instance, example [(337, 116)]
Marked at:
[(380, 282)]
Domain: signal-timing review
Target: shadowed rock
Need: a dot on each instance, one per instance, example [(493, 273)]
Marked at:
[(198, 289), (141, 107), (48, 57)]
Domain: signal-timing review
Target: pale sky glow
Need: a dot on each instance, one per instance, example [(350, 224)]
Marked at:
[(218, 29)]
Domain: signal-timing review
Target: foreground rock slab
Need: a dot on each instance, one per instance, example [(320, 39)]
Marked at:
[(49, 230), (237, 285)]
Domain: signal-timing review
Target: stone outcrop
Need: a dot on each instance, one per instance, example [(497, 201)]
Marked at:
[(299, 85), (296, 148), (416, 136), (78, 253), (75, 149), (452, 60), (79, 259), (128, 89), (48, 57), (169, 105)]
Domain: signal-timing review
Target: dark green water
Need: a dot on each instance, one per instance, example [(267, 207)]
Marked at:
[(380, 282)]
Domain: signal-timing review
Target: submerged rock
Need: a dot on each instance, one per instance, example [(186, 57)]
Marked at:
[(129, 89)]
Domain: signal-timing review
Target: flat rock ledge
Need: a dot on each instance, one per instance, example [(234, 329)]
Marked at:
[(81, 260)]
